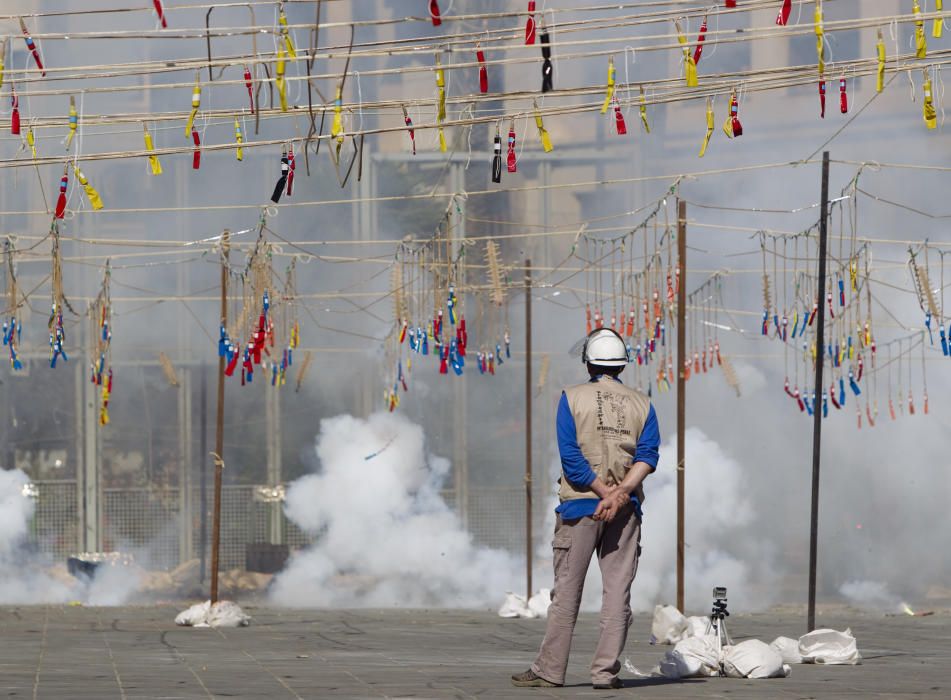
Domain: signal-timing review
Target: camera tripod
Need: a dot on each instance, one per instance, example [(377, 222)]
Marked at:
[(718, 622)]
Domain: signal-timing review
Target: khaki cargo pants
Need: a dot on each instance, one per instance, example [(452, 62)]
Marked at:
[(618, 546)]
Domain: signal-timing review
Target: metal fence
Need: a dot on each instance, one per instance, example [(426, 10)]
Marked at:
[(149, 523)]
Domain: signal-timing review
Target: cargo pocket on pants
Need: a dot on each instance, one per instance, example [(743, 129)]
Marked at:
[(561, 547)]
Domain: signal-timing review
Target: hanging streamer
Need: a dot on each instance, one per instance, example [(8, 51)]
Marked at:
[(32, 47), (938, 25), (822, 97), (434, 13), (928, 110), (3, 53), (94, 199), (336, 127), (880, 51), (285, 34), (732, 126), (282, 181), (409, 125), (73, 121), (196, 103), (690, 65), (820, 40), (530, 24), (548, 72), (609, 89), (31, 141), (783, 17), (921, 43), (441, 104), (843, 96), (511, 160), (279, 80), (497, 157), (292, 162), (710, 126), (643, 108), (150, 148), (542, 131), (239, 139)]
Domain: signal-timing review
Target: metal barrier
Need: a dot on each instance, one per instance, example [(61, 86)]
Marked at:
[(147, 522)]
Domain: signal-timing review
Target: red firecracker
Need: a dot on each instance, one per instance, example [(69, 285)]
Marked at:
[(843, 97), (483, 72), (822, 98), (530, 24), (735, 116), (783, 17), (160, 12), (292, 162), (434, 13), (61, 201), (15, 113), (511, 160), (619, 119), (248, 84), (196, 154), (701, 37)]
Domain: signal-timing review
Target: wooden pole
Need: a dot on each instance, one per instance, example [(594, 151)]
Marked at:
[(203, 483), (528, 429), (817, 410), (219, 427), (681, 382)]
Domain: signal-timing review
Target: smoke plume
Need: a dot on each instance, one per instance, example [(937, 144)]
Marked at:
[(384, 536)]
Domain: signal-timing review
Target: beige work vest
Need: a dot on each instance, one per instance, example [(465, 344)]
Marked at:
[(606, 414)]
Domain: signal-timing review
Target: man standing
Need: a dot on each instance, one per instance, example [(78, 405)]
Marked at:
[(608, 440)]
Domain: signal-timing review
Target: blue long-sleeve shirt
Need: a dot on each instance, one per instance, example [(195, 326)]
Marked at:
[(576, 469)]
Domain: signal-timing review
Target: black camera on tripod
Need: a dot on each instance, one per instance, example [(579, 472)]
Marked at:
[(719, 611)]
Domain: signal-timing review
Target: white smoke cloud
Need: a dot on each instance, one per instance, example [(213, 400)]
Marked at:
[(385, 536), (720, 550), (869, 594), (15, 509), (27, 577)]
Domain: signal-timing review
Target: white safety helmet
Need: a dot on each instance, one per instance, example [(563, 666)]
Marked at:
[(606, 348)]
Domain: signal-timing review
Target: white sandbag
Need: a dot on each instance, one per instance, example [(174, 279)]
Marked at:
[(224, 613), (515, 606), (227, 613), (540, 602), (698, 626), (696, 656), (788, 648), (829, 647), (669, 625), (753, 659), (195, 616)]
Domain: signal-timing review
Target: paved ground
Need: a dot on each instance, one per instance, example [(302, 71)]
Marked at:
[(137, 652)]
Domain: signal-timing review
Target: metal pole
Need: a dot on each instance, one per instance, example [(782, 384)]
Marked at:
[(219, 427), (681, 383), (817, 412), (528, 429), (203, 483)]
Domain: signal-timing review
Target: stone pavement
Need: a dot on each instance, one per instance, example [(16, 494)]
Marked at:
[(138, 652)]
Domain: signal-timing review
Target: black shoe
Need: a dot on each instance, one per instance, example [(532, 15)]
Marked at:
[(529, 679), (612, 685)]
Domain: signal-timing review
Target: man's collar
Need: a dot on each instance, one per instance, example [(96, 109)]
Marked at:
[(598, 376)]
